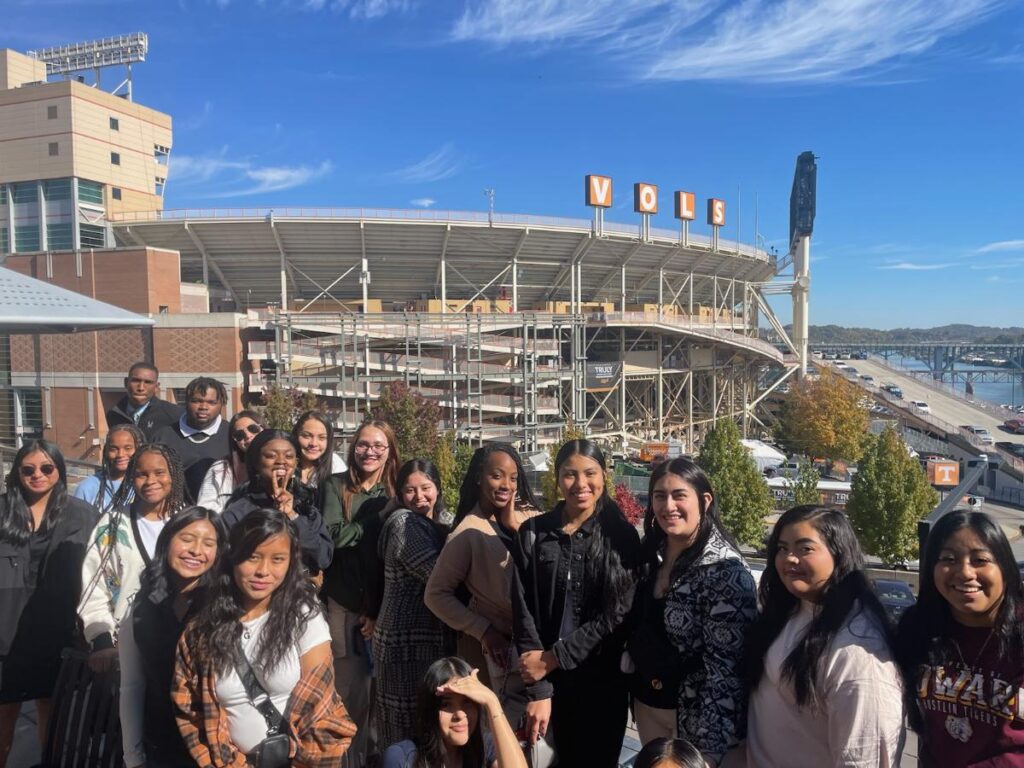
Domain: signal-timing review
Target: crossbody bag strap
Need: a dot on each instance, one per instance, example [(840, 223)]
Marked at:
[(257, 694)]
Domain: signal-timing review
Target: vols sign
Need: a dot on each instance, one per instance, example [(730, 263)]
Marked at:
[(716, 212), (685, 206), (603, 377), (645, 198), (598, 191), (944, 474)]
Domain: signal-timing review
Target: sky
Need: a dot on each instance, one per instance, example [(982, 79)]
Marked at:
[(915, 109)]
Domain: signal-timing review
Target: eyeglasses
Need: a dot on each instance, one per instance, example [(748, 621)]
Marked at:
[(252, 429), (46, 469), (371, 447)]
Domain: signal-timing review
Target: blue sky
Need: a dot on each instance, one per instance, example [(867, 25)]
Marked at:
[(914, 107)]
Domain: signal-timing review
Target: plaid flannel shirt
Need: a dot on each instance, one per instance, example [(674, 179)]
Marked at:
[(319, 727)]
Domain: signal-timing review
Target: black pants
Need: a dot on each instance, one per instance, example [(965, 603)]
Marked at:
[(588, 716)]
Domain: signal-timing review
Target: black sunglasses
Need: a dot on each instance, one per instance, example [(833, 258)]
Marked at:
[(252, 429), (46, 469)]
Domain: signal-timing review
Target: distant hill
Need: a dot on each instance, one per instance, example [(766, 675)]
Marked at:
[(836, 334)]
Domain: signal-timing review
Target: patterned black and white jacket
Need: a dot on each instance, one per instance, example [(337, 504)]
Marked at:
[(708, 608)]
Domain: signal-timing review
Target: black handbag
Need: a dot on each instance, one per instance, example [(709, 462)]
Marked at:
[(273, 751)]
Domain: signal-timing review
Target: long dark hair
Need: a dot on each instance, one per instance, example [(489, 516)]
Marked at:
[(322, 469), (603, 561), (236, 449), (16, 517), (426, 466), (176, 500), (846, 592), (663, 750), (430, 748), (157, 583), (469, 494), (215, 632), (252, 457), (105, 483), (654, 536), (925, 628), (389, 473)]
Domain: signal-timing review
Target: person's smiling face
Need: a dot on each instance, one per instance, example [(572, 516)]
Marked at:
[(803, 561), (969, 579)]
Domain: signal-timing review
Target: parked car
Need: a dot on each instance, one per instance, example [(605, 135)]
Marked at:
[(982, 434), (867, 379), (1015, 449), (893, 390), (920, 406), (896, 596), (1014, 425)]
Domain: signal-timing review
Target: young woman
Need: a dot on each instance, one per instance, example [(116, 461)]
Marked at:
[(224, 476), (669, 753), (262, 615), (690, 615), (825, 690), (188, 553), (408, 638), (373, 463), (572, 588), (314, 435), (961, 647), (450, 703), (495, 500), (43, 535), (271, 463), (123, 543), (119, 447)]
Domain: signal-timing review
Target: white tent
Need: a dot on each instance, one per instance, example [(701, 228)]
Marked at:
[(765, 456)]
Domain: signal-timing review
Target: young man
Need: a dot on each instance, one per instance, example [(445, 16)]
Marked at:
[(200, 436), (140, 406)]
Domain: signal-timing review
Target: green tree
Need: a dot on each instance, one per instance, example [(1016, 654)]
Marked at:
[(824, 417), (282, 406), (413, 417), (741, 493), (451, 458), (805, 486), (889, 494), (549, 482)]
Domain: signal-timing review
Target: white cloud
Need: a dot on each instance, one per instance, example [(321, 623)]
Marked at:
[(1002, 246), (196, 121), (443, 163), (235, 178), (912, 267), (750, 40), (423, 202), (368, 9)]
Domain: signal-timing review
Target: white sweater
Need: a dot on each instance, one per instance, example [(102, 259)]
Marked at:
[(109, 583), (861, 719)]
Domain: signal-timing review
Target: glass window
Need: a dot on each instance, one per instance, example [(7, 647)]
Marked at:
[(26, 237), (160, 185), (3, 194), (29, 410), (5, 246), (160, 154), (115, 125), (115, 158), (90, 191), (115, 192), (54, 149), (59, 236), (57, 189), (25, 192), (92, 236), (51, 112)]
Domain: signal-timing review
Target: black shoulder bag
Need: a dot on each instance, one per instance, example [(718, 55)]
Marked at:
[(273, 751)]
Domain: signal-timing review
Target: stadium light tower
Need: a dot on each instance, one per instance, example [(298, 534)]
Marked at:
[(802, 202), (120, 51)]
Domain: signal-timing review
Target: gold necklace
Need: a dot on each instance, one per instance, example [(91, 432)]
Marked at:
[(984, 645)]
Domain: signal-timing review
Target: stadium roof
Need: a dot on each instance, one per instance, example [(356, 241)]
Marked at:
[(243, 250), (28, 305)]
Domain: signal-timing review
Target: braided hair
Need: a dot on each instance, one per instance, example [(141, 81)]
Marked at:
[(106, 486)]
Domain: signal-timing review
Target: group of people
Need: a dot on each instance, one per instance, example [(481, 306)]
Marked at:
[(273, 605)]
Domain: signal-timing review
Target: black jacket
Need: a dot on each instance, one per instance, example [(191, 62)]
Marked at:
[(159, 413), (314, 538), (196, 457), (548, 562), (45, 612)]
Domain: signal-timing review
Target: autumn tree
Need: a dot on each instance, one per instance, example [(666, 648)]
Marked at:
[(741, 493), (888, 495), (549, 482), (632, 510), (824, 417), (283, 405), (451, 457), (413, 417)]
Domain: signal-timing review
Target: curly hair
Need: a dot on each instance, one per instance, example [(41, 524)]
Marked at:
[(156, 584), (469, 493), (15, 516), (106, 487), (203, 384), (214, 634), (178, 497)]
